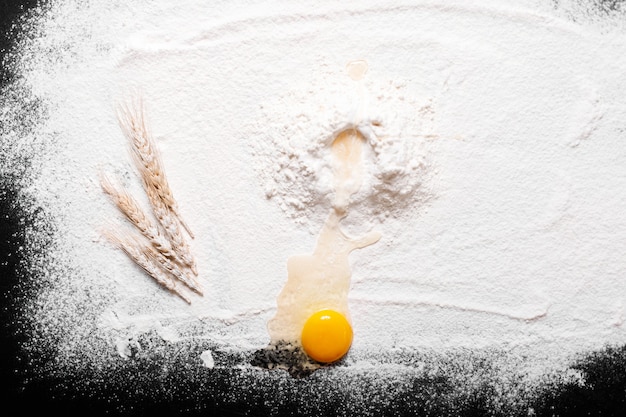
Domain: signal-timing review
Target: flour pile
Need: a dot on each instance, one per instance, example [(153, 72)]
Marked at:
[(292, 151)]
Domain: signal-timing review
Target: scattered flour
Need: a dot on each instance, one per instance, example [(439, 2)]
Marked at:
[(207, 359), (494, 171)]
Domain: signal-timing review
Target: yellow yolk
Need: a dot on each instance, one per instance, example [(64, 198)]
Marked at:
[(326, 336)]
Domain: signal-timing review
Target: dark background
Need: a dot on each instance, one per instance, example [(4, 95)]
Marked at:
[(15, 398)]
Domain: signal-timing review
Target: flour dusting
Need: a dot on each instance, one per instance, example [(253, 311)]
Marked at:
[(493, 170)]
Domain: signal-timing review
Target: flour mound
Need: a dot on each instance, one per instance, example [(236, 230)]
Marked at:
[(294, 132)]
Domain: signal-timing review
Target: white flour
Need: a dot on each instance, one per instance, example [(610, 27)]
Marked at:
[(496, 168), (293, 157)]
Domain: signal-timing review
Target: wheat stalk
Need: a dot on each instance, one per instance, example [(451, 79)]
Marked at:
[(162, 251), (174, 269), (147, 156), (148, 161), (172, 231), (170, 245), (142, 255), (135, 214)]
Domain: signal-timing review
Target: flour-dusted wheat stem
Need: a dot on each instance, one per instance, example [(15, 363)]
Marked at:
[(172, 231), (140, 254), (147, 156), (133, 212), (175, 269)]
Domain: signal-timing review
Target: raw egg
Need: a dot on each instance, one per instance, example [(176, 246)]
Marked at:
[(326, 336), (313, 305)]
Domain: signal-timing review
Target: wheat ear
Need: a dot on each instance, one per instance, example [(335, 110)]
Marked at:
[(127, 204), (165, 254), (147, 156), (172, 231), (174, 269), (141, 254)]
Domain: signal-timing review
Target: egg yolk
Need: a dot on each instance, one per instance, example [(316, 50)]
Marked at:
[(326, 336)]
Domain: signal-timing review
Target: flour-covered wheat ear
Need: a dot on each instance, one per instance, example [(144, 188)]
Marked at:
[(146, 155), (127, 204), (141, 254), (172, 231)]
